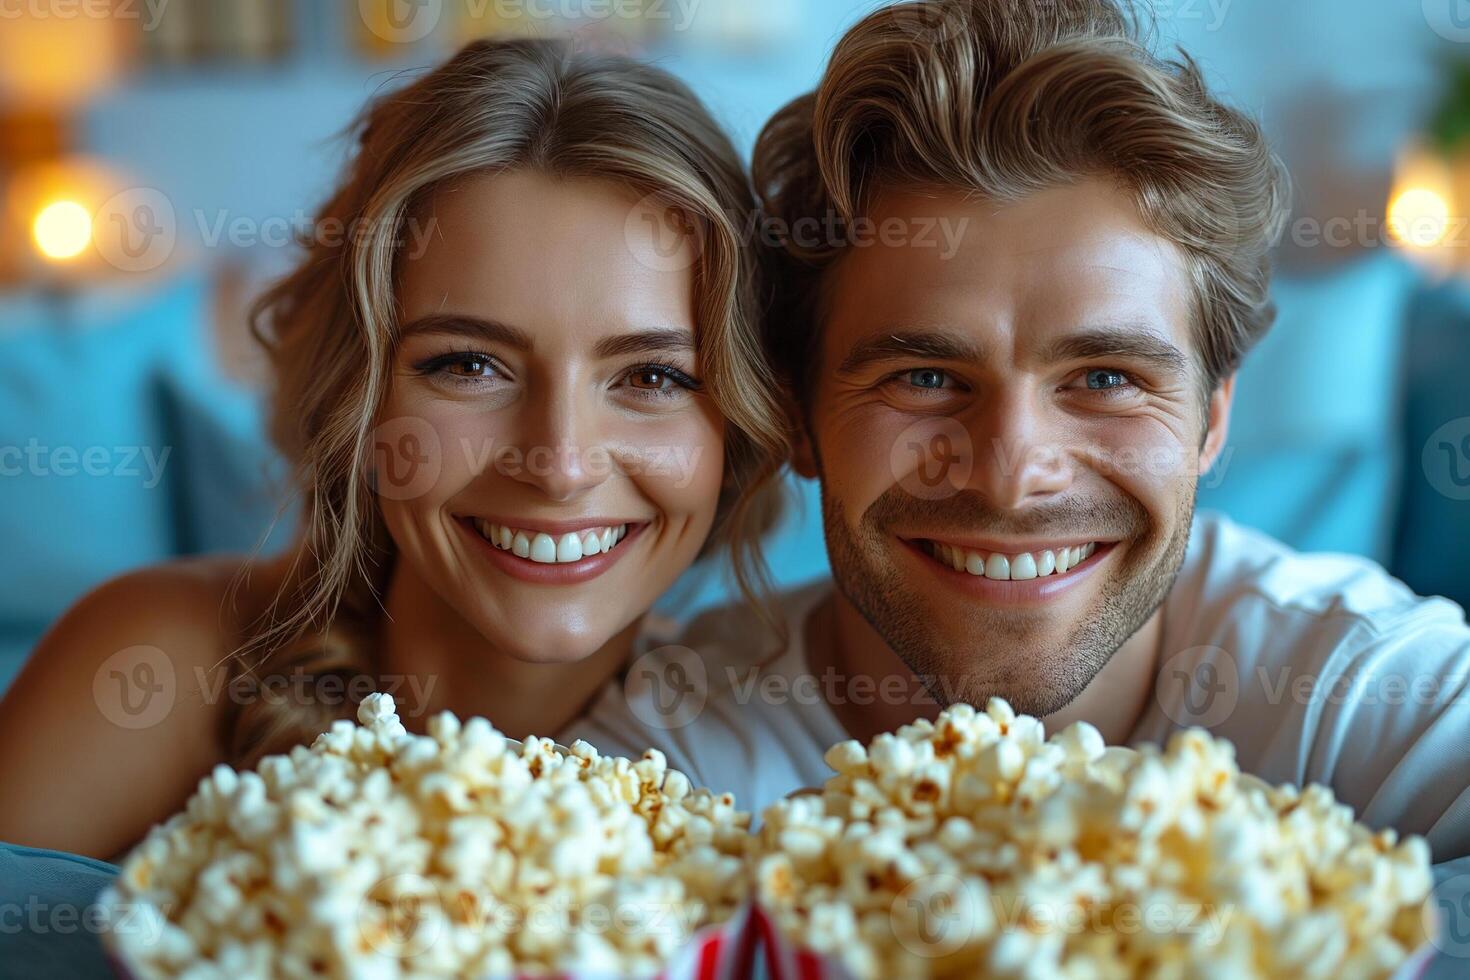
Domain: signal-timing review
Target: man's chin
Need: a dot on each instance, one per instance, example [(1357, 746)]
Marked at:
[(963, 647), (1036, 670)]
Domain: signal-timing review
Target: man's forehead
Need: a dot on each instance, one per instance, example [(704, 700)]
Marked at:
[(1061, 260)]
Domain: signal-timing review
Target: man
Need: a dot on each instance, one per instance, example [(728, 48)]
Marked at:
[(1009, 424)]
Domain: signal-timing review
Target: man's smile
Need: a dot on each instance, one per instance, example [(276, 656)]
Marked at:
[(1015, 565), (1011, 577)]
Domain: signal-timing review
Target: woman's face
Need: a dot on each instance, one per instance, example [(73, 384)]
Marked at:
[(547, 461)]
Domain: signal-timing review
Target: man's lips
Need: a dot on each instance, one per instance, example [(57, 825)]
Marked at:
[(1015, 560), (1012, 577)]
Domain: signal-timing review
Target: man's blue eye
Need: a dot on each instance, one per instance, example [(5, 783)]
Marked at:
[(927, 378), (1103, 380)]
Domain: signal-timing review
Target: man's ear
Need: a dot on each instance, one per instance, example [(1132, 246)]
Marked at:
[(1217, 423), (803, 453)]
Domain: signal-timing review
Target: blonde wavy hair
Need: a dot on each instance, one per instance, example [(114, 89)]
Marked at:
[(1004, 98), (329, 325)]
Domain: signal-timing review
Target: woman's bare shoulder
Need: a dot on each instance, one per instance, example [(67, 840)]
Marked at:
[(117, 713), (195, 611)]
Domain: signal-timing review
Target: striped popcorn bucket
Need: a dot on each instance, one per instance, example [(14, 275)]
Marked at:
[(778, 959), (726, 951)]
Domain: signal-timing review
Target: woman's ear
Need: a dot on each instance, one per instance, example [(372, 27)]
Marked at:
[(1217, 423)]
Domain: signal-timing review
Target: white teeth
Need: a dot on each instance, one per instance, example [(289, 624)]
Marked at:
[(1015, 568), (569, 548), (541, 547)]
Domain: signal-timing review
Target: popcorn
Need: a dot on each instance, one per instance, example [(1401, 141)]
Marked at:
[(976, 846), (377, 853), (970, 846)]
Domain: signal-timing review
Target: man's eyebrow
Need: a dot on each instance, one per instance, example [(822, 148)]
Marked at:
[(1139, 344), (646, 342), (490, 331), (924, 344)]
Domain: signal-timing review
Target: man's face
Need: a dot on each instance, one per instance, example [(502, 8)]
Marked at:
[(1009, 435)]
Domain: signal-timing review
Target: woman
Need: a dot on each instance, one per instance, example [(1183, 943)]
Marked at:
[(522, 388)]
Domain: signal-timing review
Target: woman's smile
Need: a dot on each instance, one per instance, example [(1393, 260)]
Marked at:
[(550, 552)]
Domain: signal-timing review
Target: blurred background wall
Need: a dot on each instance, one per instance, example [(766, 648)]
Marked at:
[(156, 155)]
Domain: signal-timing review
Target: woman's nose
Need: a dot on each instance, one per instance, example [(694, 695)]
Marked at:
[(559, 449)]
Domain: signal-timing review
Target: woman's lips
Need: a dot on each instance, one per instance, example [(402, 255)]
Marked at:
[(987, 575), (569, 570)]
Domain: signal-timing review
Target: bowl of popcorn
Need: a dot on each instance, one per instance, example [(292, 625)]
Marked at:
[(976, 846), (973, 845), (376, 853)]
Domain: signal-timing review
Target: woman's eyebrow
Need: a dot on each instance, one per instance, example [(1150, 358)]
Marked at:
[(672, 340), (646, 342), (490, 331)]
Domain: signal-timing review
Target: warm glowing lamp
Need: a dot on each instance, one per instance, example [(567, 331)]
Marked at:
[(1422, 208), (1419, 217), (48, 215), (54, 62), (62, 230)]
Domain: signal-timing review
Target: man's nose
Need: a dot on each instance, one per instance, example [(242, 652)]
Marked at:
[(1019, 451)]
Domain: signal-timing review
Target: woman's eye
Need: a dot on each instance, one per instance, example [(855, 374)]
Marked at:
[(650, 379), (468, 367), (660, 380), (460, 367), (1104, 379)]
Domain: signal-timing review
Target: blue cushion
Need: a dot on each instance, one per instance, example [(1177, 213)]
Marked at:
[(229, 481), (84, 459), (1315, 443), (1434, 513), (49, 920)]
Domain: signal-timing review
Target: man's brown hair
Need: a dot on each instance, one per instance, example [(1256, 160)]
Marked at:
[(1004, 98)]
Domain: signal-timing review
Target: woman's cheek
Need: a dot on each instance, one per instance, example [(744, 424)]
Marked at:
[(679, 465)]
